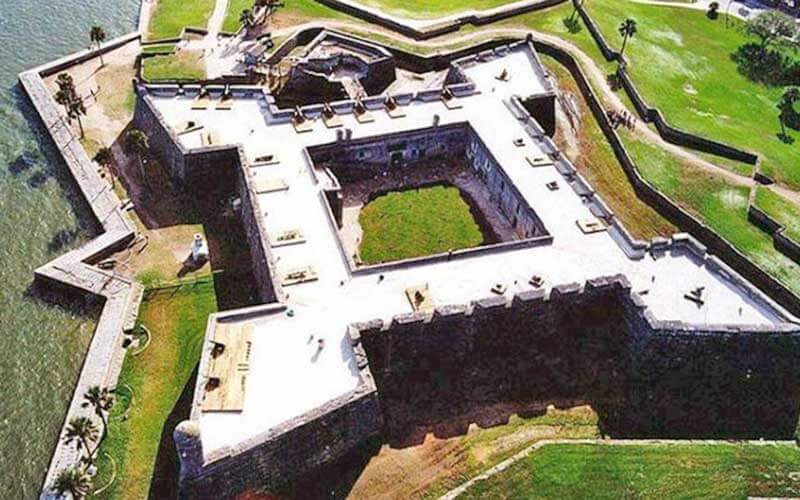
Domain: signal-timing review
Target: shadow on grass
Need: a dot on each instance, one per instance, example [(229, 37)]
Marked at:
[(164, 483)]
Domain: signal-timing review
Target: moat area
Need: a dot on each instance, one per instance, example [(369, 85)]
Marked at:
[(43, 345)]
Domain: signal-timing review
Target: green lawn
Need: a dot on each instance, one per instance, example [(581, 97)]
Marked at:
[(177, 321), (681, 62), (171, 16), (663, 471), (183, 65), (423, 9), (160, 49), (781, 210), (416, 222), (235, 7)]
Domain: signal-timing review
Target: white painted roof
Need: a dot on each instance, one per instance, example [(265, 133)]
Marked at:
[(285, 381)]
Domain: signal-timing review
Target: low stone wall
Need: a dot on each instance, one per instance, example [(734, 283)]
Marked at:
[(422, 31), (74, 271), (595, 344), (654, 115), (782, 243), (668, 209)]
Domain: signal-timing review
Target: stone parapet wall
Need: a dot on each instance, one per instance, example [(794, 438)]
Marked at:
[(74, 271), (668, 209)]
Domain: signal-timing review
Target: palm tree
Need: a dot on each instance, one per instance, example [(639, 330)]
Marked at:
[(97, 35), (68, 97), (136, 142), (246, 18), (82, 431), (74, 481), (66, 89), (105, 158), (786, 107), (626, 29), (75, 109), (101, 400)]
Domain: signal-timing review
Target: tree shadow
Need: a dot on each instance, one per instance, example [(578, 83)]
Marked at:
[(573, 24), (766, 66)]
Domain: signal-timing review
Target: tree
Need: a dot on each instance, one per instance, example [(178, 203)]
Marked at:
[(82, 431), (770, 26), (97, 35), (68, 97), (627, 29), (246, 18), (105, 158), (101, 401), (74, 481), (713, 10), (786, 107), (136, 142)]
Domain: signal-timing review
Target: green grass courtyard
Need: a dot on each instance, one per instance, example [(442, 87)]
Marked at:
[(416, 222)]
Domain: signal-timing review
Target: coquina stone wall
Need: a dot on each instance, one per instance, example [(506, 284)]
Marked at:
[(595, 344)]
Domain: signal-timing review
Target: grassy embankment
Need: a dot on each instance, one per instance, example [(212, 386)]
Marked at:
[(781, 210), (150, 385), (685, 69), (416, 222), (662, 471)]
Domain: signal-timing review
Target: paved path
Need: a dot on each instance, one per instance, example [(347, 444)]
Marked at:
[(455, 492)]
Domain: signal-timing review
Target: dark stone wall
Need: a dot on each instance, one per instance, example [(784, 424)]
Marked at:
[(596, 345), (365, 158), (163, 142), (257, 240), (543, 110), (269, 462)]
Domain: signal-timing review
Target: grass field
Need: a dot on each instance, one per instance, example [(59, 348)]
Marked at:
[(781, 210), (416, 222), (183, 65), (171, 16), (157, 376), (423, 9), (721, 206), (235, 7), (684, 67), (663, 471)]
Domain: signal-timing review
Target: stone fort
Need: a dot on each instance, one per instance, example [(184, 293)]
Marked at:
[(559, 305)]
